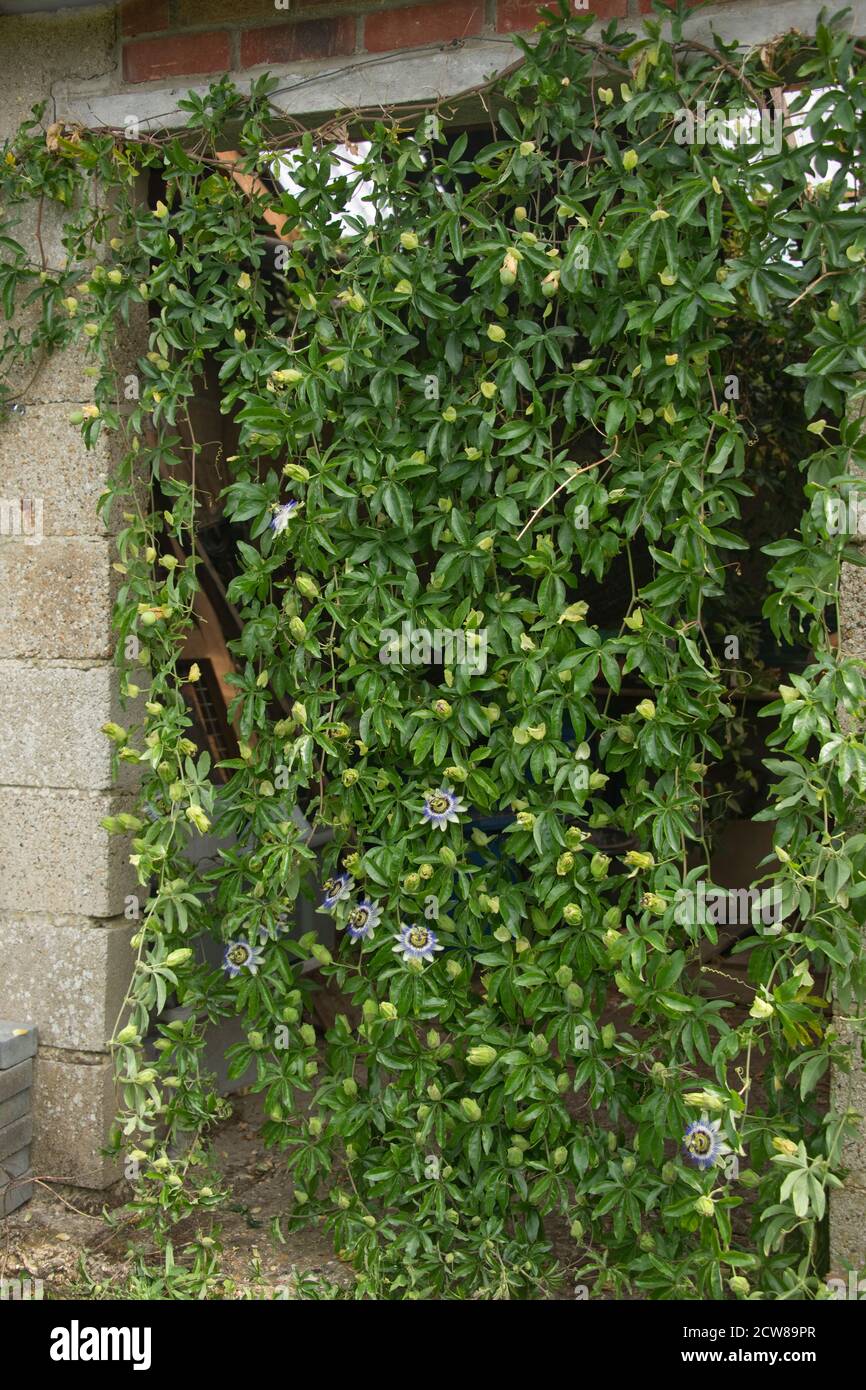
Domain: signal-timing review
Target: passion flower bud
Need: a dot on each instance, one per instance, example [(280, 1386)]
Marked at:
[(350, 777), (573, 914), (574, 995), (525, 819), (608, 1035), (630, 160), (520, 214), (539, 1045), (481, 1056), (761, 1008), (496, 333), (308, 1034), (298, 628), (599, 865), (740, 1286), (514, 1156), (426, 871), (453, 969), (297, 472), (448, 857), (550, 284), (784, 1146), (178, 957), (471, 1109), (307, 586), (564, 976), (526, 148), (605, 94), (256, 1041), (321, 954), (198, 818), (646, 709), (654, 903), (127, 1035), (565, 864), (628, 1166), (409, 241), (559, 1156), (350, 1086), (299, 713), (612, 918), (705, 1206), (388, 1010), (412, 882), (576, 1230), (442, 709)]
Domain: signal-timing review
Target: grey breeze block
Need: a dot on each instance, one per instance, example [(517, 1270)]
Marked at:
[(17, 1048), (17, 1042)]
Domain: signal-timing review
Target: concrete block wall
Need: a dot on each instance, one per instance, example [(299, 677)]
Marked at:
[(64, 941), (17, 1049)]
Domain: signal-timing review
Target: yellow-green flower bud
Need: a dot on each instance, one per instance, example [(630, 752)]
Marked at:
[(307, 586), (599, 865), (481, 1056), (573, 914), (471, 1109)]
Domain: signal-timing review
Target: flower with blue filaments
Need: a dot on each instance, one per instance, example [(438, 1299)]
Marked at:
[(442, 807), (416, 943), (336, 890), (703, 1145), (363, 920), (283, 515), (240, 955)]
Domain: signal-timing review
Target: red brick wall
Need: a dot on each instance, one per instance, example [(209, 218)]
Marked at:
[(164, 39)]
